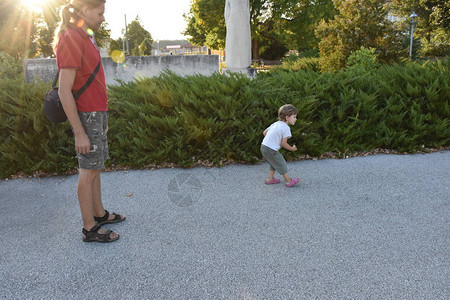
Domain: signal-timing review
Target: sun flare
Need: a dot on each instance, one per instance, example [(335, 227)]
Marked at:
[(34, 5)]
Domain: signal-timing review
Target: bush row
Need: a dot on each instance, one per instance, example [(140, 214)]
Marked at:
[(298, 63), (184, 120)]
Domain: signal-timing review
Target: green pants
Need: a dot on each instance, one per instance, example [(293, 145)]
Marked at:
[(275, 160)]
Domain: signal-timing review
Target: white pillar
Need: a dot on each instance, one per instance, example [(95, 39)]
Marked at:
[(238, 44)]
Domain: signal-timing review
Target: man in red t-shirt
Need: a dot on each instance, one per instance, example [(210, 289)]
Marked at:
[(77, 56)]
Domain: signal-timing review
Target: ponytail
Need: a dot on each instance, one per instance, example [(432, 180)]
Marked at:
[(70, 16)]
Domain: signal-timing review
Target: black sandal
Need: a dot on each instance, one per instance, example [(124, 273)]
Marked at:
[(104, 220), (93, 235)]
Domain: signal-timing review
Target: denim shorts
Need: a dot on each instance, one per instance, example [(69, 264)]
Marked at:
[(95, 124), (275, 159)]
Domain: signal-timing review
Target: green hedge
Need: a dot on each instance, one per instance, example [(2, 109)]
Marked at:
[(184, 120), (296, 63)]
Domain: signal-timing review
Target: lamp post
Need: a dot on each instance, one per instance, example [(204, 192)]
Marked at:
[(126, 46), (412, 17)]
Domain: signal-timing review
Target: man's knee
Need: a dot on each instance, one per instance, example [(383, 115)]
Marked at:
[(87, 174)]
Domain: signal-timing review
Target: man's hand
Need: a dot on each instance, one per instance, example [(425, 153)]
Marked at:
[(82, 144)]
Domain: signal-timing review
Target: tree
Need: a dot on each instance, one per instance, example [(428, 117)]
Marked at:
[(140, 40), (259, 14), (270, 41), (297, 20), (359, 23), (28, 33), (47, 22), (441, 14), (276, 25), (432, 27), (17, 29), (103, 35), (114, 45), (145, 48), (206, 24)]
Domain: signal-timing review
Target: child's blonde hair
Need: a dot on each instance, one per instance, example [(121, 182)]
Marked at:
[(286, 110)]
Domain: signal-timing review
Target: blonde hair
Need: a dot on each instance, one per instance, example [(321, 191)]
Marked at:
[(286, 110), (70, 16)]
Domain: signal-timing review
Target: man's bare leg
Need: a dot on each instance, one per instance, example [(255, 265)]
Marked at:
[(89, 197), (99, 210)]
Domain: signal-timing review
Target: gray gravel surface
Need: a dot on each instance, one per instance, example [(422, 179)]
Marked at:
[(372, 227)]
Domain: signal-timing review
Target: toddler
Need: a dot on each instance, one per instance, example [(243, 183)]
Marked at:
[(275, 137)]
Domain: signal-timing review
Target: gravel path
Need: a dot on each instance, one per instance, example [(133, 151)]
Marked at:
[(372, 227)]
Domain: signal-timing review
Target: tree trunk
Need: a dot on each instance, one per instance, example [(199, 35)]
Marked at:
[(255, 49)]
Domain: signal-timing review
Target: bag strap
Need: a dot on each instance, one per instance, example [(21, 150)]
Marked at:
[(55, 81), (78, 93)]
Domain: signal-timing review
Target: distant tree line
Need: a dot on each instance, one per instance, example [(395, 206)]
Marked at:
[(332, 29), (336, 28)]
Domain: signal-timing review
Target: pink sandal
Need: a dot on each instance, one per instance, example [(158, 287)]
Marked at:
[(293, 182), (273, 181)]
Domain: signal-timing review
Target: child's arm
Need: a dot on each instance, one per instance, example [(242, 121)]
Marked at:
[(265, 131), (286, 146)]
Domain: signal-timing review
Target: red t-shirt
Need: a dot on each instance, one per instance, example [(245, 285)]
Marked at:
[(76, 51)]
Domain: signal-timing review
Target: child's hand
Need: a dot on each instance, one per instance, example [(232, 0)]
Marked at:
[(294, 148)]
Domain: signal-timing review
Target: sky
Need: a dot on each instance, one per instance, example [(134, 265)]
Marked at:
[(162, 18)]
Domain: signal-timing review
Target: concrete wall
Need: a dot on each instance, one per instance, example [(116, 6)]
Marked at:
[(133, 67)]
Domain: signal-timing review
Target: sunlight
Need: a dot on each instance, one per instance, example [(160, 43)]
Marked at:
[(34, 5)]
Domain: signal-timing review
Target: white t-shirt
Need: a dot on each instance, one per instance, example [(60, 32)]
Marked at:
[(275, 133)]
